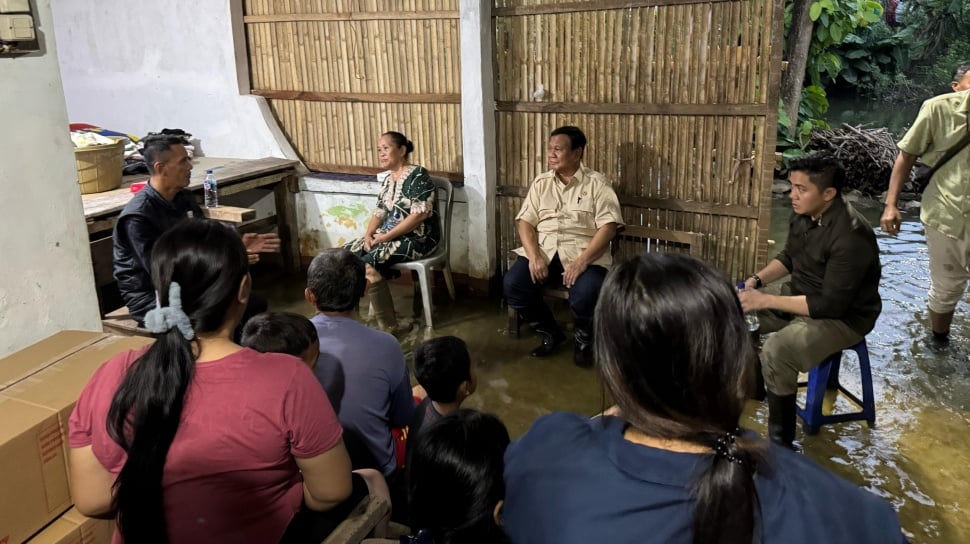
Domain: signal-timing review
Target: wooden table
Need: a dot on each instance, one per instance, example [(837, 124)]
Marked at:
[(234, 176)]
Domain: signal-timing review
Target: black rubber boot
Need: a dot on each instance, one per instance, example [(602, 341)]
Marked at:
[(542, 321), (552, 338), (583, 342), (758, 393), (781, 419)]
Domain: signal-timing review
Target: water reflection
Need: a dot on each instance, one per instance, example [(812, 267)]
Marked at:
[(917, 456)]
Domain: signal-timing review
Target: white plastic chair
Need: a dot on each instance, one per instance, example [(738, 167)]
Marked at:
[(438, 260)]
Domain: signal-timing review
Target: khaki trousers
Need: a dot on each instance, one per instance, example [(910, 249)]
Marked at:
[(798, 345)]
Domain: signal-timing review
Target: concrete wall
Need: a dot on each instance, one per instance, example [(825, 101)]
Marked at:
[(332, 213), (144, 66), (41, 219)]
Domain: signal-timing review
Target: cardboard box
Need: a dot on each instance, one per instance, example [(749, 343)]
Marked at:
[(73, 528), (39, 356), (33, 469), (34, 413), (58, 386), (93, 531)]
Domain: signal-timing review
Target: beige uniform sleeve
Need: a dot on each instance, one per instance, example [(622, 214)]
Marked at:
[(608, 208), (529, 212)]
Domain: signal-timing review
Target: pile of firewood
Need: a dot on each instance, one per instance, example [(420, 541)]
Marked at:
[(867, 154)]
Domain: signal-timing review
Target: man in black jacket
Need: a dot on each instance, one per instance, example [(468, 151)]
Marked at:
[(163, 202), (832, 300)]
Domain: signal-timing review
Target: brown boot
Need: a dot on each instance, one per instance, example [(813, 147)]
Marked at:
[(382, 304)]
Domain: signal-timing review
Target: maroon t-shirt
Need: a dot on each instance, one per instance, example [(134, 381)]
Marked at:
[(230, 475)]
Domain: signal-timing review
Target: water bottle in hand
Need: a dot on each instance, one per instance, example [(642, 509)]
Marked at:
[(750, 318), (210, 190)]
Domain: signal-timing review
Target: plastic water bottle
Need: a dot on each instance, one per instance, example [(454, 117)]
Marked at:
[(211, 190), (750, 318)]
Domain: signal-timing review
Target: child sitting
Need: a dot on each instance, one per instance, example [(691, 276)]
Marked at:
[(443, 368), (283, 332)]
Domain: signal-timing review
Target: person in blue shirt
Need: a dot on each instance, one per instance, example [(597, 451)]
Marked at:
[(672, 349)]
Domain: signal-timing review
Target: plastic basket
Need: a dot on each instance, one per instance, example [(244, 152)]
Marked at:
[(99, 167)]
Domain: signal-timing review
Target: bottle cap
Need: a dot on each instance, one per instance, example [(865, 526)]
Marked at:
[(208, 171)]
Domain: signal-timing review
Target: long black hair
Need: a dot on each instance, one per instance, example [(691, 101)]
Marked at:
[(208, 261), (455, 478), (672, 348)]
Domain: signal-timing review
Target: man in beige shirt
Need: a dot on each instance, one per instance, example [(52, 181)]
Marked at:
[(945, 212), (566, 223)]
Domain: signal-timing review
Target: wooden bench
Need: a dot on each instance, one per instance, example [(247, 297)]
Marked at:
[(120, 322), (649, 238), (360, 523)]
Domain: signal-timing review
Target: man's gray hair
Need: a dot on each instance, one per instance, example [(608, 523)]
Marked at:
[(962, 70)]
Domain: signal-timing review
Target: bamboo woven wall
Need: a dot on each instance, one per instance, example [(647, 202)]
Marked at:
[(678, 101), (339, 73)]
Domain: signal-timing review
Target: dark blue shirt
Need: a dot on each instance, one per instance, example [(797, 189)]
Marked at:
[(574, 480)]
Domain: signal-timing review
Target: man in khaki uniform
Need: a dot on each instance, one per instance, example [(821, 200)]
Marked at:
[(945, 208), (566, 223)]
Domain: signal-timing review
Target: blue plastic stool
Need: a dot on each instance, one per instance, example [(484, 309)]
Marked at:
[(826, 376)]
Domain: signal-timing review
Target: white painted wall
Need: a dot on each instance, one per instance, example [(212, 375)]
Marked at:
[(478, 134), (332, 213), (139, 67), (44, 238)]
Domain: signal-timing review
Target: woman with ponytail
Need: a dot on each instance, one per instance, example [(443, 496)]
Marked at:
[(672, 349), (196, 439)]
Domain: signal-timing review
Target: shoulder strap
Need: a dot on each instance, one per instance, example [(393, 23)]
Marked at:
[(952, 151)]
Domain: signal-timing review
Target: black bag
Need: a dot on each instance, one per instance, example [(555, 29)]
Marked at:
[(924, 172)]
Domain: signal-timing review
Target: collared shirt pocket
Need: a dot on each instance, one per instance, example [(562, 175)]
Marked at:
[(581, 211)]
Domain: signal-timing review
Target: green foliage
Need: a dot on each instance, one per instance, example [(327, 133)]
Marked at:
[(932, 26), (835, 21), (871, 58), (939, 72), (812, 107)]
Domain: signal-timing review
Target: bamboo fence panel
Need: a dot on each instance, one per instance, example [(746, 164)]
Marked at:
[(678, 99), (339, 73)]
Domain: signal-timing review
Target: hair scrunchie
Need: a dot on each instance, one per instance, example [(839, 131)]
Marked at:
[(163, 318), (723, 443)]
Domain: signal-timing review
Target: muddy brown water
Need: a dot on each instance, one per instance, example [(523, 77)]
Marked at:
[(917, 456)]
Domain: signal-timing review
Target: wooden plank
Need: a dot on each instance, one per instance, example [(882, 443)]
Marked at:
[(287, 225), (676, 236), (721, 110), (101, 225), (455, 177), (353, 16), (573, 7), (228, 172), (375, 98), (229, 214), (265, 224), (243, 186), (102, 259), (360, 522), (673, 204)]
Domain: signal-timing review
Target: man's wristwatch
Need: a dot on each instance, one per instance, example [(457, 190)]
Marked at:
[(757, 281)]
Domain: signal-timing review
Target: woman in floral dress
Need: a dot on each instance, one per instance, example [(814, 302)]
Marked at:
[(404, 225)]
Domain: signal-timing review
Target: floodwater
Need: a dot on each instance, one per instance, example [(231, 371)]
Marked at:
[(917, 456)]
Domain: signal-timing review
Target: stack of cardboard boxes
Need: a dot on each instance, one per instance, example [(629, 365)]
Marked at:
[(38, 388)]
